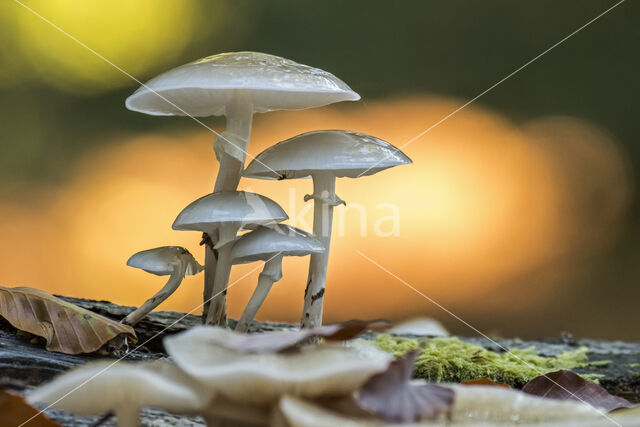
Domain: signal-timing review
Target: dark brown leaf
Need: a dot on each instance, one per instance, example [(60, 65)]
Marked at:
[(67, 328), (391, 396), (484, 381), (14, 411), (273, 342), (567, 385)]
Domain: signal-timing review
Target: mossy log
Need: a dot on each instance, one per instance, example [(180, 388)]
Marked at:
[(24, 363)]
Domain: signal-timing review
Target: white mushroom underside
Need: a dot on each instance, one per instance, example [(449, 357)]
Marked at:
[(200, 101), (473, 406), (327, 369)]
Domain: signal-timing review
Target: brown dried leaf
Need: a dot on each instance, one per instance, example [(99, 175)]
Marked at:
[(484, 381), (14, 411), (391, 395), (273, 342), (567, 385), (66, 328)]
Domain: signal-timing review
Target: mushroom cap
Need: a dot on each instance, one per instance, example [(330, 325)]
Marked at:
[(107, 386), (327, 369), (476, 405), (264, 242), (215, 209), (420, 326), (339, 152), (204, 87), (161, 261)]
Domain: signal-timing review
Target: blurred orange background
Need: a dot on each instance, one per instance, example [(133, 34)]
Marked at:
[(519, 213), (485, 204)]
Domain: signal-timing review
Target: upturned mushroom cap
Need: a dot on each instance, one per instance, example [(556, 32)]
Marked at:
[(216, 209), (204, 87), (339, 152), (108, 386), (473, 405), (313, 371), (265, 242), (162, 261)]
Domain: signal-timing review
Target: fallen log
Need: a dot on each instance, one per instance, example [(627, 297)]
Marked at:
[(24, 363)]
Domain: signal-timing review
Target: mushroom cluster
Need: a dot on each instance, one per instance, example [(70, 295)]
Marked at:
[(237, 85), (275, 379)]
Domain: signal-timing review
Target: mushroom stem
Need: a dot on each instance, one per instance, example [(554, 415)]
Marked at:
[(239, 114), (325, 199), (217, 314), (210, 262), (170, 287), (231, 147), (271, 273)]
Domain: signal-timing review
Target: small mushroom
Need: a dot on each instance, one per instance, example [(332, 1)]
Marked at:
[(324, 155), (172, 261), (224, 214), (419, 326), (270, 244), (326, 369), (236, 85), (123, 388)]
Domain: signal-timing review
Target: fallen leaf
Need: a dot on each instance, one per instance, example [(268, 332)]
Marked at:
[(391, 395), (567, 385), (273, 342), (14, 411), (67, 328), (484, 381)]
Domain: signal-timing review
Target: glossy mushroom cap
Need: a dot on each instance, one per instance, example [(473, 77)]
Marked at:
[(161, 261), (265, 242), (339, 152), (204, 87), (240, 207)]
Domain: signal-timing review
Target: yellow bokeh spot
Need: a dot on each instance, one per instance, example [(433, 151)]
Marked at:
[(137, 36)]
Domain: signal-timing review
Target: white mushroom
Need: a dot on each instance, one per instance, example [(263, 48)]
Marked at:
[(326, 369), (123, 388), (419, 326), (477, 405), (224, 214), (174, 261), (324, 155), (270, 244), (236, 85)]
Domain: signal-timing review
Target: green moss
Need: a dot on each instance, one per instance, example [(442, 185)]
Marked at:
[(453, 360), (634, 365)]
